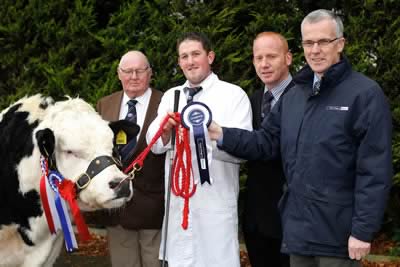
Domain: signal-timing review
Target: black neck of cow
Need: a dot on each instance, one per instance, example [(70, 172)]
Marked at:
[(16, 144)]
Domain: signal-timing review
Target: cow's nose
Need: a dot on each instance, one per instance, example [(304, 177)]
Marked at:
[(114, 184), (124, 189)]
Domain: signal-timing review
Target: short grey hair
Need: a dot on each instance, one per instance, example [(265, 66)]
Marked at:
[(322, 14)]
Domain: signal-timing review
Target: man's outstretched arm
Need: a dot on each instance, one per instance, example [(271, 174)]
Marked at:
[(262, 144)]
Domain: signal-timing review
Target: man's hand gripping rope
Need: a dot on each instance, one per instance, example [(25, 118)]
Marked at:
[(182, 181)]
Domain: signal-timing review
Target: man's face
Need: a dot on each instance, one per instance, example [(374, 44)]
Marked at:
[(271, 60), (321, 56), (194, 61), (134, 74)]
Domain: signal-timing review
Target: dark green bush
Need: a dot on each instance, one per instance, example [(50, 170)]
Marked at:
[(72, 47)]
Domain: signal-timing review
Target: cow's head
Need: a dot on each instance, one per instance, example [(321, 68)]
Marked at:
[(79, 143)]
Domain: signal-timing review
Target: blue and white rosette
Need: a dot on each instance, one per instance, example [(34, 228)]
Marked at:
[(59, 210), (196, 117)]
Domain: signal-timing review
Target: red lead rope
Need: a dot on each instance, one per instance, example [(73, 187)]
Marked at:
[(137, 163), (185, 186)]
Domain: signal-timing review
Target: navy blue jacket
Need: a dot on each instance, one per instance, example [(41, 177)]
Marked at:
[(336, 151)]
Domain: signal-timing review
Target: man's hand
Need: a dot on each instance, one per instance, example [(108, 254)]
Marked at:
[(214, 131), (166, 131), (358, 248)]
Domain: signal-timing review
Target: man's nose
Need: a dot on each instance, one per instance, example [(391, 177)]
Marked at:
[(265, 62), (190, 60), (134, 75), (315, 48)]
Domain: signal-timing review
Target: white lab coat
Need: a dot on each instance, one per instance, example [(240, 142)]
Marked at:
[(212, 236)]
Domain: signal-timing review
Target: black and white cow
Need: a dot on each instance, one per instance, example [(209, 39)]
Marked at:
[(73, 135)]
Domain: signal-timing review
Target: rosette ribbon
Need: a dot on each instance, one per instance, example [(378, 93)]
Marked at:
[(196, 117), (56, 192)]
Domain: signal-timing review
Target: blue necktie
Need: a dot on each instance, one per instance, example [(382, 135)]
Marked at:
[(266, 103), (192, 91), (132, 117)]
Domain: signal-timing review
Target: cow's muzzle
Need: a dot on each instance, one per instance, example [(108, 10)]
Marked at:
[(95, 167)]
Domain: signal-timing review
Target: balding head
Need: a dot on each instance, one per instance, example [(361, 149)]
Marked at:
[(271, 58), (273, 35), (133, 55), (134, 72)]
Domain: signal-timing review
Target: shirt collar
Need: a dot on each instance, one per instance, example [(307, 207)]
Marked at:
[(316, 79), (277, 91), (140, 99), (205, 84)]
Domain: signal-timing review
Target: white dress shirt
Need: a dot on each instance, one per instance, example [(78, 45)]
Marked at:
[(141, 107), (211, 239)]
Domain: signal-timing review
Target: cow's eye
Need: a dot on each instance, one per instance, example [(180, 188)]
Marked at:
[(71, 153)]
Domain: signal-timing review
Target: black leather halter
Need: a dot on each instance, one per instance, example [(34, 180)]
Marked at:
[(95, 167)]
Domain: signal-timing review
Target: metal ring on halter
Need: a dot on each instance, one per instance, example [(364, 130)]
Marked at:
[(135, 168), (83, 181)]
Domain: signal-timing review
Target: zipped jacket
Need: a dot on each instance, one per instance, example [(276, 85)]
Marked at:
[(335, 145)]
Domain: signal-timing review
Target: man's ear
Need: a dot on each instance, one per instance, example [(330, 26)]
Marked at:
[(211, 57), (46, 142), (131, 129)]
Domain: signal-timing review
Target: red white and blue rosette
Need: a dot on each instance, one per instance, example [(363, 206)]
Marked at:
[(55, 207), (196, 117)]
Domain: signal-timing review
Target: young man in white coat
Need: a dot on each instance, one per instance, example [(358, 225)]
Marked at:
[(211, 238)]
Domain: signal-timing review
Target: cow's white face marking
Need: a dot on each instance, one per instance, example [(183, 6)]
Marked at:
[(81, 135)]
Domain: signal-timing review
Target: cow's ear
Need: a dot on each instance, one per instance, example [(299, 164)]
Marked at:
[(131, 129), (46, 142)]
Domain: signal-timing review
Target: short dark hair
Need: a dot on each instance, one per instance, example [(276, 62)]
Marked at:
[(194, 36)]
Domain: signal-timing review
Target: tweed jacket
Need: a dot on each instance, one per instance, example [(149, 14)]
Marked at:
[(146, 209)]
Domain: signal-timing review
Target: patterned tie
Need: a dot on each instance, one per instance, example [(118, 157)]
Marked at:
[(192, 91), (316, 87), (132, 117), (266, 104)]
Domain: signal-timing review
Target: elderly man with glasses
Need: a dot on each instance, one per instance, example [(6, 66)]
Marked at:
[(333, 132), (134, 232)]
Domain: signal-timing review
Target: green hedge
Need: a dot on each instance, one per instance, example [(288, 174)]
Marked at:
[(72, 47)]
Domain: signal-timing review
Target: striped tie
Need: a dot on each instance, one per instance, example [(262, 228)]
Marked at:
[(131, 115), (266, 104), (192, 91)]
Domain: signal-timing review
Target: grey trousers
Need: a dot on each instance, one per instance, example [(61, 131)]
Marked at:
[(318, 261), (130, 248)]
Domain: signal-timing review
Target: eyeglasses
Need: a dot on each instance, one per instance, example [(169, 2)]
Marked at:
[(138, 72), (321, 42)]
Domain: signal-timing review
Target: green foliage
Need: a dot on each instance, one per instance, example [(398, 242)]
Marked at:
[(395, 251), (72, 47), (45, 47)]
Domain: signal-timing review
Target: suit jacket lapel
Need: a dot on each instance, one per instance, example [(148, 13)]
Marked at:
[(257, 108), (115, 108), (110, 112), (257, 103), (150, 116)]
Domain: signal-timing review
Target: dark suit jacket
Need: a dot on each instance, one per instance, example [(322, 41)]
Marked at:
[(146, 209), (264, 185)]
